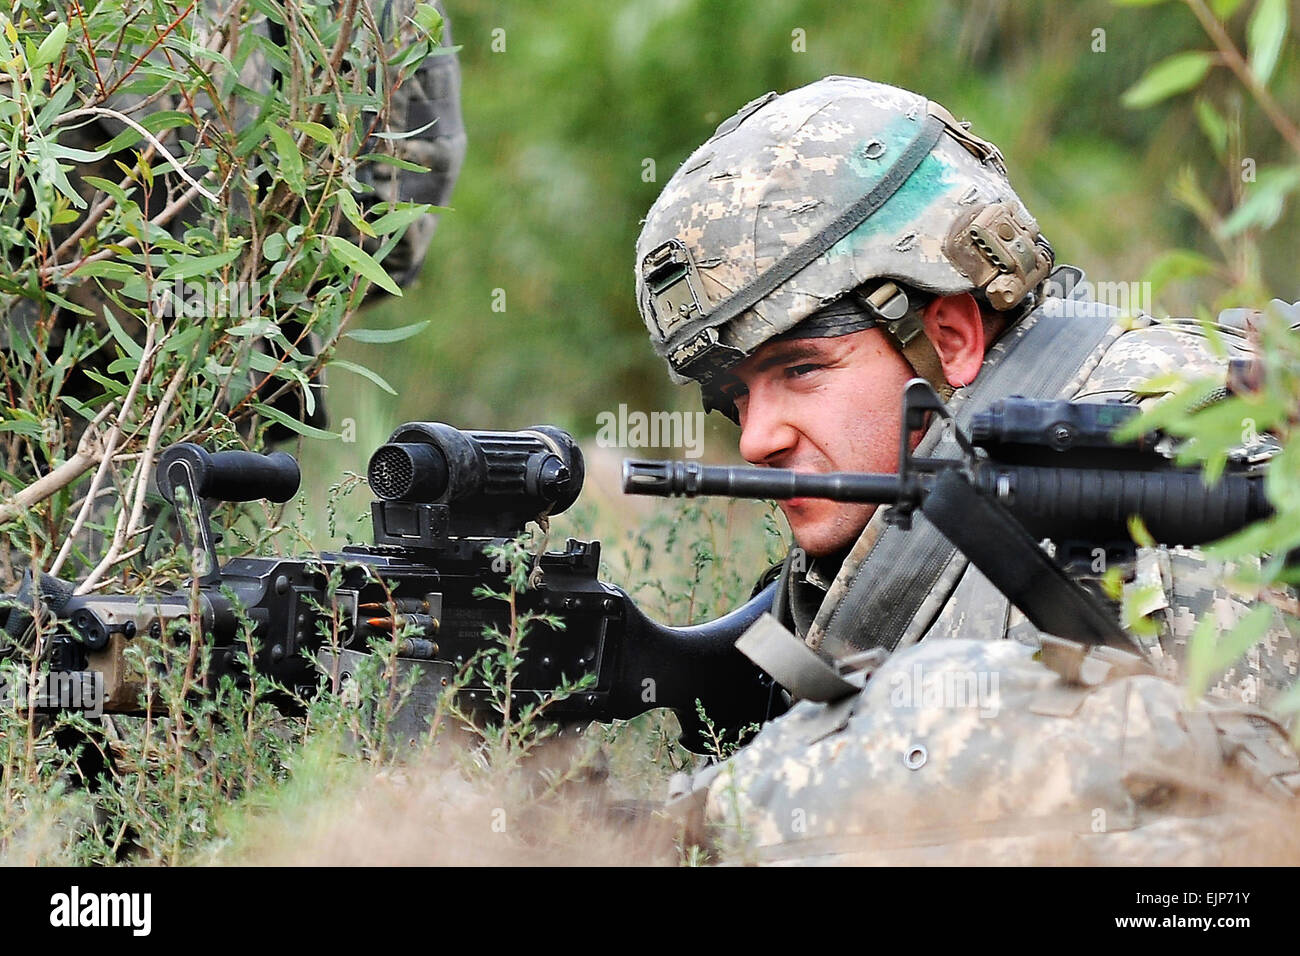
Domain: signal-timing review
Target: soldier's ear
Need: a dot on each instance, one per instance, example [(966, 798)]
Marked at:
[(955, 328)]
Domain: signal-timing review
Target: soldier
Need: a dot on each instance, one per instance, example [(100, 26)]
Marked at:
[(821, 249)]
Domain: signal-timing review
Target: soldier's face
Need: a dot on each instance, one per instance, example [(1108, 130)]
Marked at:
[(822, 405)]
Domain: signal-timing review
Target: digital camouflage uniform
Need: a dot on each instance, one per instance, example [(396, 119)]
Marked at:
[(850, 190)]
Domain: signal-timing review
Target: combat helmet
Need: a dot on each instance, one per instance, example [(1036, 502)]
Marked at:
[(842, 191)]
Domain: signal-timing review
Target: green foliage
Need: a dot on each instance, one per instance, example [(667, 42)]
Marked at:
[(1176, 74), (550, 199), (508, 741), (1210, 432), (176, 209)]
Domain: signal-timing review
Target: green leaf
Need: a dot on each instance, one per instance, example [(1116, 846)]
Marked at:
[(51, 47), (1200, 656), (1169, 412), (1244, 635), (1265, 34), (273, 247), (353, 214), (1137, 530), (386, 160), (290, 160), (110, 187), (1278, 534), (114, 386), (321, 134), (1170, 76), (129, 345), (59, 151), (1224, 9), (125, 364), (1264, 202), (429, 19), (189, 266), (30, 429), (68, 304), (1176, 264), (402, 216), (384, 336), (353, 258), (182, 341), (364, 373), (251, 327), (1214, 126), (107, 269), (291, 423), (58, 101)]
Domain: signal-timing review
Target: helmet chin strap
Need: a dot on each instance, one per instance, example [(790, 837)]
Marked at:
[(920, 354), (907, 334)]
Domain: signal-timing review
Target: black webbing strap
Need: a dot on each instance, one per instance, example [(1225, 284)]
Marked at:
[(1040, 358), (996, 543), (746, 297)]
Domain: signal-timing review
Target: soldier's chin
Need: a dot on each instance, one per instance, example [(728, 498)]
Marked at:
[(816, 538), (820, 535)]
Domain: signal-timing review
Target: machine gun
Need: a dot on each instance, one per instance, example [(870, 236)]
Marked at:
[(443, 498), (1030, 470)]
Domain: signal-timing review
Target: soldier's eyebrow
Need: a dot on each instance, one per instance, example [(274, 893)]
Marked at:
[(794, 351)]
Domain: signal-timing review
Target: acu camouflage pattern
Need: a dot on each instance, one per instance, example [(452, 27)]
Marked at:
[(974, 752), (780, 170), (1029, 783)]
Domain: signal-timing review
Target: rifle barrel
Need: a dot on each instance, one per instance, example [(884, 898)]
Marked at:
[(688, 479), (1073, 503)]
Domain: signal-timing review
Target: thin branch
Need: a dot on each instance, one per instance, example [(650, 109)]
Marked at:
[(143, 56), (85, 458), (87, 506), (129, 526), (164, 217), (157, 143), (1235, 62)]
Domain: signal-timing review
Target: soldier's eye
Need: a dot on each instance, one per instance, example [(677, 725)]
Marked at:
[(796, 370)]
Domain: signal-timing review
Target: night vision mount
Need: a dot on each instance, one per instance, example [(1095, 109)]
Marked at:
[(437, 485), (437, 488)]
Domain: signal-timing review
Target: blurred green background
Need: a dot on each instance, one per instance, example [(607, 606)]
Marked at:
[(562, 120)]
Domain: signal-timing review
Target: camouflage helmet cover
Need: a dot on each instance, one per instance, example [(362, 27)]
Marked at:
[(783, 170)]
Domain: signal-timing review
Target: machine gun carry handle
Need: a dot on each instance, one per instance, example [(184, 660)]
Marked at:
[(187, 474)]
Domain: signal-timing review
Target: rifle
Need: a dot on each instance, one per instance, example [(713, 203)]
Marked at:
[(1030, 469), (443, 499)]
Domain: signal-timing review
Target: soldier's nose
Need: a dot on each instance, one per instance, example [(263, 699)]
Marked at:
[(766, 436)]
